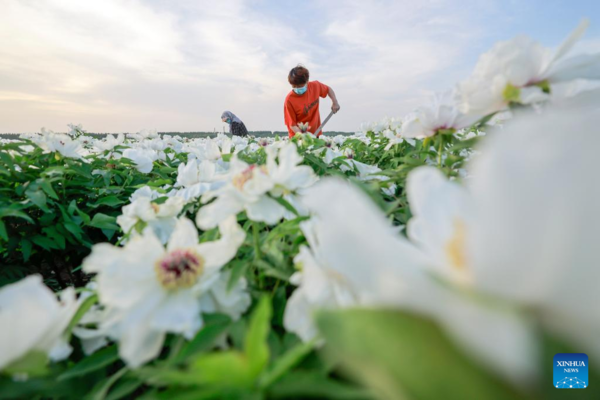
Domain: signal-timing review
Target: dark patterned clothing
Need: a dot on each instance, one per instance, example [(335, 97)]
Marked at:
[(238, 129)]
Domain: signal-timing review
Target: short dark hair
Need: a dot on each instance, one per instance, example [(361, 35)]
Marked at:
[(298, 75)]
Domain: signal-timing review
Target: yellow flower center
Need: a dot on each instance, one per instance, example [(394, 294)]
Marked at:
[(512, 93), (455, 247), (179, 269), (240, 179)]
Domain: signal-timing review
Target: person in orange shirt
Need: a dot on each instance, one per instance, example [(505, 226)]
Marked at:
[(302, 103)]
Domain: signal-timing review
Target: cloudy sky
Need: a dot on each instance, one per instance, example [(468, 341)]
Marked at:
[(125, 65)]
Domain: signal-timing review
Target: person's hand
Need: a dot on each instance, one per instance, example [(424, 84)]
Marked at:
[(335, 107)]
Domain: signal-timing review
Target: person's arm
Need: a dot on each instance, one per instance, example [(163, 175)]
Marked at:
[(290, 117), (335, 106)]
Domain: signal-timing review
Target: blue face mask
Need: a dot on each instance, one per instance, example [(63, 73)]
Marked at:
[(301, 90), (228, 120)]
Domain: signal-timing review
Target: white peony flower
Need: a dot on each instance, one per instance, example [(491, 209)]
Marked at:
[(535, 241), (149, 290), (239, 143), (211, 150), (441, 114), (442, 213), (196, 178), (287, 175), (360, 259), (144, 191), (515, 237), (110, 142), (85, 141), (366, 172), (249, 186), (144, 159), (193, 172), (174, 143), (57, 142), (33, 319), (354, 253), (522, 70), (225, 144), (319, 287), (76, 130), (144, 134), (161, 218)]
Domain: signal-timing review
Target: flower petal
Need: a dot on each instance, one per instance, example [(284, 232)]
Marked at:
[(219, 252), (265, 210)]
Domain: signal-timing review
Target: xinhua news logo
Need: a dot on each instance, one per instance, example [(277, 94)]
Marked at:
[(571, 371)]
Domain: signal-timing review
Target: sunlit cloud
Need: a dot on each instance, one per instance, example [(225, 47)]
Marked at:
[(175, 66)]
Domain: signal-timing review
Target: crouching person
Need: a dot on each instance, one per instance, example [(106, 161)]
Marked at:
[(236, 126)]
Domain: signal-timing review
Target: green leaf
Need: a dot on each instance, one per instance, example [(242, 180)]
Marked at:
[(313, 385), (178, 393), (275, 256), (3, 233), (74, 209), (237, 271), (160, 182), (237, 333), (225, 369), (229, 369), (270, 270), (59, 239), (399, 355), (4, 156), (109, 233), (33, 364), (255, 342), (74, 229), (285, 363), (47, 187), (26, 247), (47, 218), (94, 362), (84, 217), (38, 198), (104, 221), (100, 391), (206, 337), (123, 388), (9, 212), (44, 242), (83, 308), (111, 201)]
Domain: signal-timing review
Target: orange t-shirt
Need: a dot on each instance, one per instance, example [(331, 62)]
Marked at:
[(304, 108)]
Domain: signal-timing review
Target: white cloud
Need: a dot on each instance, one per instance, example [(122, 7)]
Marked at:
[(126, 65)]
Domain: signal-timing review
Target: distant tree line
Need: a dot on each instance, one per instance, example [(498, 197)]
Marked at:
[(195, 134)]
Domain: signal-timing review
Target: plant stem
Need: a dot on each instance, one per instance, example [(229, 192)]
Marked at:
[(439, 157), (275, 288), (101, 394), (255, 233), (257, 253), (175, 350)]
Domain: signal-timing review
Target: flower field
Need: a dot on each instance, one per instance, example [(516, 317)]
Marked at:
[(446, 254)]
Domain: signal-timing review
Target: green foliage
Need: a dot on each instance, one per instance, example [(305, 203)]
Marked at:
[(248, 371), (53, 209), (405, 356), (96, 361)]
